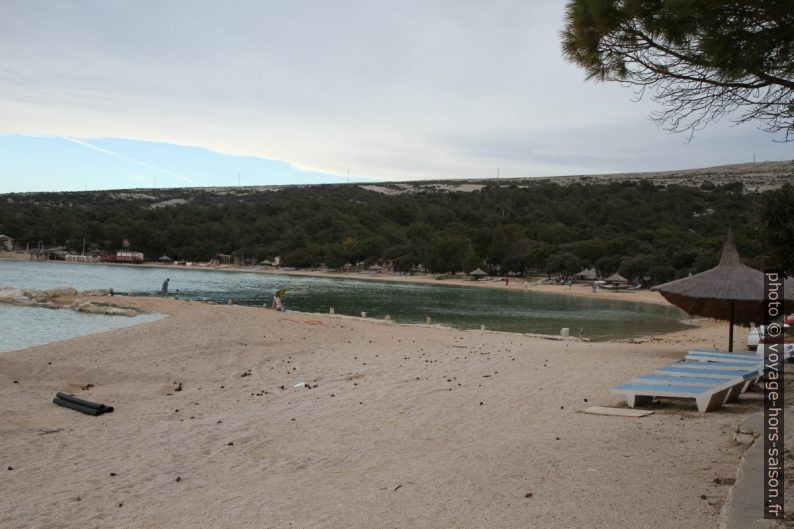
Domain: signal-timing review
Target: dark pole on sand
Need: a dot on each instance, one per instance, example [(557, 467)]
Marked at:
[(730, 331)]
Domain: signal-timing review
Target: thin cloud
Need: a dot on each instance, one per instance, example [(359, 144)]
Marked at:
[(128, 159), (392, 90)]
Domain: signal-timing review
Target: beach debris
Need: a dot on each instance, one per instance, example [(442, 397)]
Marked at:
[(178, 387), (83, 406), (178, 479), (300, 385), (112, 474), (246, 374), (230, 443), (87, 387), (398, 487), (743, 435), (10, 468), (528, 495), (54, 430), (617, 412)]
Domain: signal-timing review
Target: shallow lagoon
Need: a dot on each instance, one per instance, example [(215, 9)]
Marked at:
[(466, 308)]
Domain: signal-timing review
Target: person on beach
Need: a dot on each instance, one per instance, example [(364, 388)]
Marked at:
[(165, 287), (278, 300)]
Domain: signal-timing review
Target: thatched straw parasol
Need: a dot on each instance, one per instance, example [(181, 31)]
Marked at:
[(477, 273), (730, 291)]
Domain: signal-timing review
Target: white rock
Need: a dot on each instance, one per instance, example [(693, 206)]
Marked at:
[(96, 292), (10, 295), (116, 311), (61, 291), (39, 295), (24, 302)]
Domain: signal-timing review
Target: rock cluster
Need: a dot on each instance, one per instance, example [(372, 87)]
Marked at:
[(61, 298)]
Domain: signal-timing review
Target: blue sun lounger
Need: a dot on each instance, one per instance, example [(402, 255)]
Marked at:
[(729, 354), (708, 398), (736, 384), (703, 370), (788, 353), (738, 357), (756, 367), (723, 359)]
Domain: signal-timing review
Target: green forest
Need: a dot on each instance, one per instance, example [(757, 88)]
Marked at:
[(647, 232)]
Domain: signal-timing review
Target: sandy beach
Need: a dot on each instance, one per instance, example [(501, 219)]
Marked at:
[(404, 426)]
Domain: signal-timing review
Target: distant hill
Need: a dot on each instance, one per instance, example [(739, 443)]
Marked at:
[(754, 177), (648, 226)]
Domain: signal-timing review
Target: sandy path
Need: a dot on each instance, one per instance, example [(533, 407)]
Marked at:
[(408, 426)]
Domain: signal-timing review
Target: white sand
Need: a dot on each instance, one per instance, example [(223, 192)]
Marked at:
[(394, 434)]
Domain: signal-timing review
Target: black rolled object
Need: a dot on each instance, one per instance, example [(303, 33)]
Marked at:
[(71, 398), (73, 405)]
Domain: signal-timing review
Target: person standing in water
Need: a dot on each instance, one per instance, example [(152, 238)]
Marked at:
[(165, 287)]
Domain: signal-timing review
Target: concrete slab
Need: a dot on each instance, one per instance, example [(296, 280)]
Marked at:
[(618, 412), (744, 507)]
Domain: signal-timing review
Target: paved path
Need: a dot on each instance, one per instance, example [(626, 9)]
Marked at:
[(744, 507)]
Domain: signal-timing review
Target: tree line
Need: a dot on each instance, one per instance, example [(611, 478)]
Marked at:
[(648, 232)]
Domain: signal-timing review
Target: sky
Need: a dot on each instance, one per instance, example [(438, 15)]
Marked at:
[(127, 94)]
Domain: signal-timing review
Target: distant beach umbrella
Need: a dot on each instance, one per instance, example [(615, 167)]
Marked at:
[(165, 259), (730, 291), (376, 268), (478, 273), (616, 278)]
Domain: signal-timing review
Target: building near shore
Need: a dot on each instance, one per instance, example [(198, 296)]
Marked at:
[(124, 256), (588, 274), (6, 243)]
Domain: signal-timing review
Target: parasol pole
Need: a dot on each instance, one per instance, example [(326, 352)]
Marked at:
[(730, 331)]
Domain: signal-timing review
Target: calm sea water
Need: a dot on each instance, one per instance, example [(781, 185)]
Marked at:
[(466, 308), (28, 326)]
